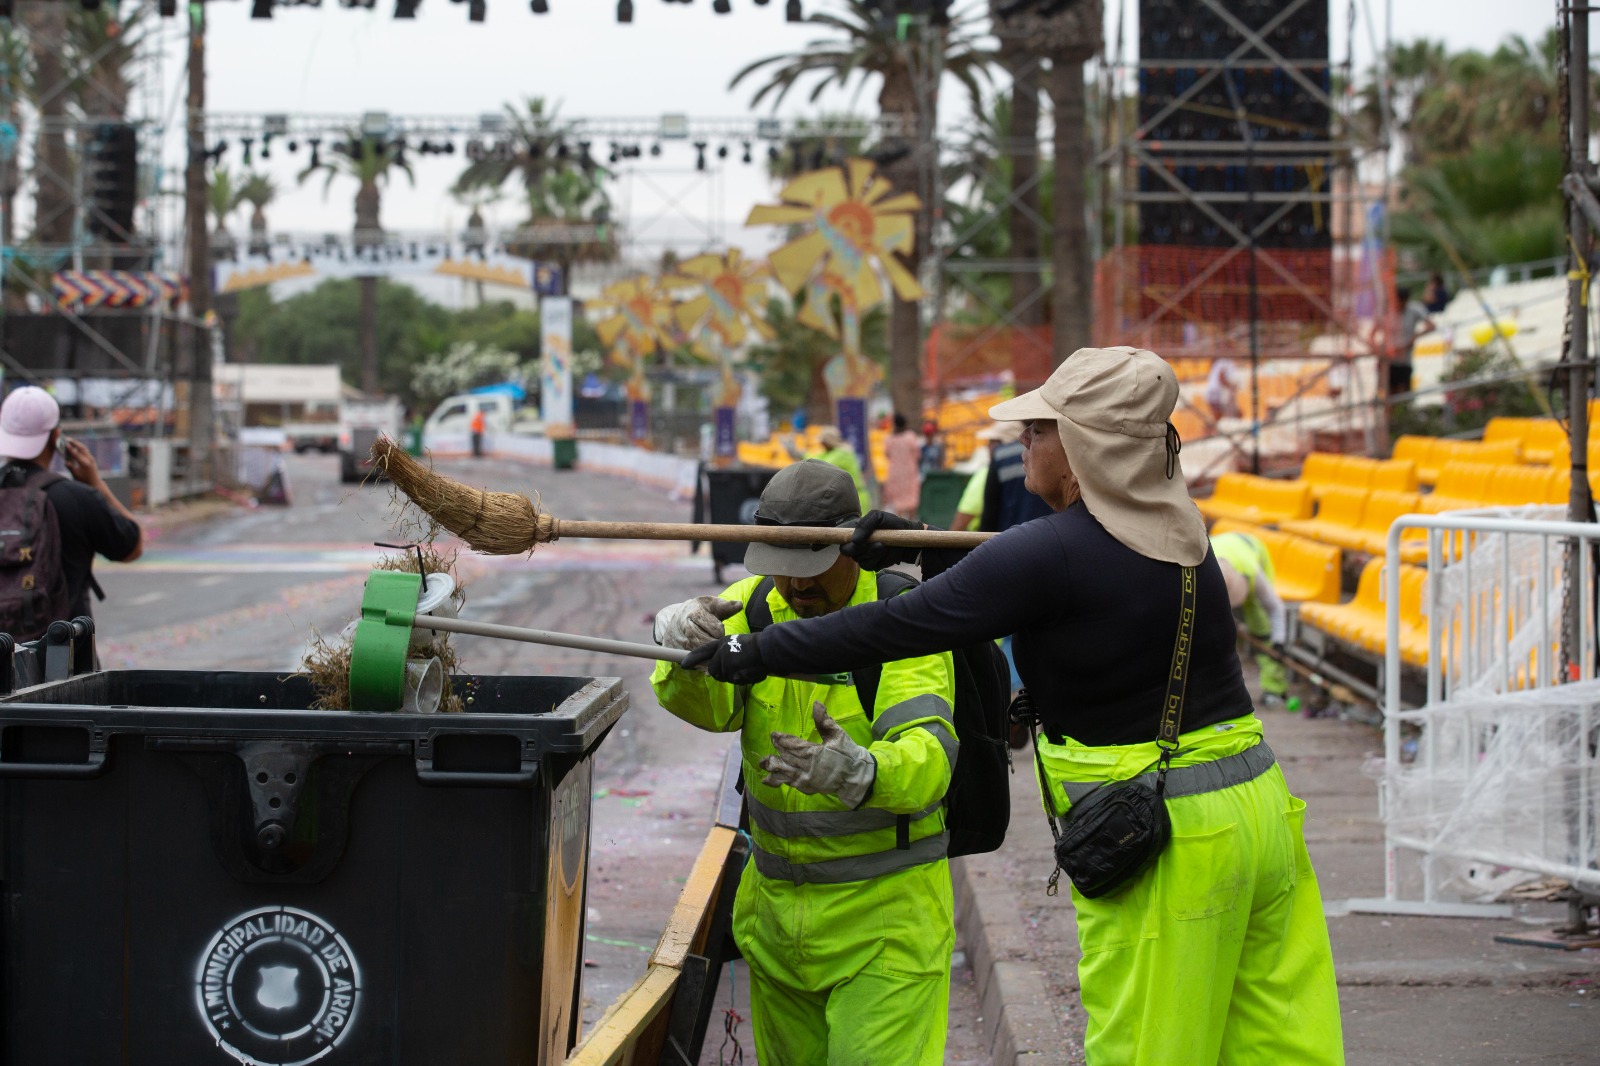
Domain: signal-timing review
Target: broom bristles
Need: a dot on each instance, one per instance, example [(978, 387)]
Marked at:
[(492, 523)]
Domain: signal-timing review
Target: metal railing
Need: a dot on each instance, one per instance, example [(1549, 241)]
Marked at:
[(1505, 780)]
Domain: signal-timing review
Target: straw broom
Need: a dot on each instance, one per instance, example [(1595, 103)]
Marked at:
[(509, 523)]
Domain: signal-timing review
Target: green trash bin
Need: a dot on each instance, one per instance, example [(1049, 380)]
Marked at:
[(565, 453), (941, 492)]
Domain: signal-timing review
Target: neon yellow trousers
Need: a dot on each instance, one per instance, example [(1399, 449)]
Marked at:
[(849, 974), (1218, 954)]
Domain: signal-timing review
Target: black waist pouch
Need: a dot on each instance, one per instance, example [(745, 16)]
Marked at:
[(1111, 835)]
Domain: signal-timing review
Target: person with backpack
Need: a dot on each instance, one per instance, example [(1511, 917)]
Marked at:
[(844, 912), (1198, 914), (51, 527)]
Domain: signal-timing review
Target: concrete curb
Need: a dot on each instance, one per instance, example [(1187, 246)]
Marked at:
[(1020, 1024)]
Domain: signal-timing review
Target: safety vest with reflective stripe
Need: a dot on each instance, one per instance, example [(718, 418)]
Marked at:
[(817, 839), (1245, 554)]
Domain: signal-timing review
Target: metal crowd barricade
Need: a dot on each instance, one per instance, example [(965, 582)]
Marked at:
[(1505, 782)]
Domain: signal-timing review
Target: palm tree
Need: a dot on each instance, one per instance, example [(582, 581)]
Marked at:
[(561, 183), (1068, 38), (369, 160), (104, 49), (866, 43), (258, 190), (222, 200), (53, 165), (1018, 154), (16, 88)]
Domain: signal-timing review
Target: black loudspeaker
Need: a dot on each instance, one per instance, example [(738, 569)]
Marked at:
[(113, 181), (1193, 110)]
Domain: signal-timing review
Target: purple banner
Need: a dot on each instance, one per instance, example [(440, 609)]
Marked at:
[(727, 446), (639, 419), (852, 412)]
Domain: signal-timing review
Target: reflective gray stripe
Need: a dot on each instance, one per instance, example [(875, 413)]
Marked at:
[(1211, 776), (853, 867), (1011, 473), (946, 739), (798, 824), (924, 706)]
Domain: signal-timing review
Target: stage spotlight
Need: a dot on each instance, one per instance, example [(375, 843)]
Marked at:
[(722, 151), (266, 146), (721, 7), (699, 155), (624, 10), (247, 142), (540, 7), (772, 153), (655, 151), (316, 157), (476, 10), (449, 148), (406, 9), (261, 9), (791, 12), (294, 146), (613, 156), (746, 157)]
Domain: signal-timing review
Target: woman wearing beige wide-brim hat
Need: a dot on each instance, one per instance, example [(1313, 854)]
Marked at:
[(1218, 951)]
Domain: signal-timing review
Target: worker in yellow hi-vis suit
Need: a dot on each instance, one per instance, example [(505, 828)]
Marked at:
[(844, 913)]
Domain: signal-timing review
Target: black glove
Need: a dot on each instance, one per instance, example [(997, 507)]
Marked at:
[(735, 659), (872, 555)]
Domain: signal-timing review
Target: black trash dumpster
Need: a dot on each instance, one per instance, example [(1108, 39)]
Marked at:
[(728, 496), (198, 870)]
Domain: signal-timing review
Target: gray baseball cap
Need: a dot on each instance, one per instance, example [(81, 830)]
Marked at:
[(808, 493)]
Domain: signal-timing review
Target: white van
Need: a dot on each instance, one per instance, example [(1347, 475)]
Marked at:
[(501, 414)]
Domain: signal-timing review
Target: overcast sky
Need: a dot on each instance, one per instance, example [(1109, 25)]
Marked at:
[(672, 58)]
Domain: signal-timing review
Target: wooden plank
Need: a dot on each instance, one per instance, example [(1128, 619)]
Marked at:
[(618, 1033), (612, 1039), (695, 901)]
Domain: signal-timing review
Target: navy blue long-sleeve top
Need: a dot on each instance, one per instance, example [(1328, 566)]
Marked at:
[(1094, 624)]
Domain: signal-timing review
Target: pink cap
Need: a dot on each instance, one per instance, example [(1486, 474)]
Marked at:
[(26, 419)]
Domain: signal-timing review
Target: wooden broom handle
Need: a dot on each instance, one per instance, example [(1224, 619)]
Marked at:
[(792, 535)]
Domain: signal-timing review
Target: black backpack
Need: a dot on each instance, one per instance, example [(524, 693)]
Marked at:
[(978, 804), (33, 587)]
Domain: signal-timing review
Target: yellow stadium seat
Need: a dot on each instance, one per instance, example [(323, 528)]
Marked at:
[(1322, 469), (1418, 450), (1264, 501), (1304, 570), (1394, 475), (1513, 486), (1379, 514), (1361, 622), (1338, 518)]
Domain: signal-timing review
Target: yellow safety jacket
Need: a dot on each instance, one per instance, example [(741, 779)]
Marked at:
[(816, 839), (844, 457)]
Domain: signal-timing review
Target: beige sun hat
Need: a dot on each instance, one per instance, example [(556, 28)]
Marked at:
[(829, 436), (1111, 406), (1003, 432)]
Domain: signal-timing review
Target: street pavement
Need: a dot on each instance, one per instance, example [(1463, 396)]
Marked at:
[(247, 590)]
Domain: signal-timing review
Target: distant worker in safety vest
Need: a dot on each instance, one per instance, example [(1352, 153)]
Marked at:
[(1247, 571), (476, 425), (837, 451), (844, 912)]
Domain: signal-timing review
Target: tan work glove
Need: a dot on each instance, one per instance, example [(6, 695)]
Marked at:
[(836, 767), (689, 624)]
